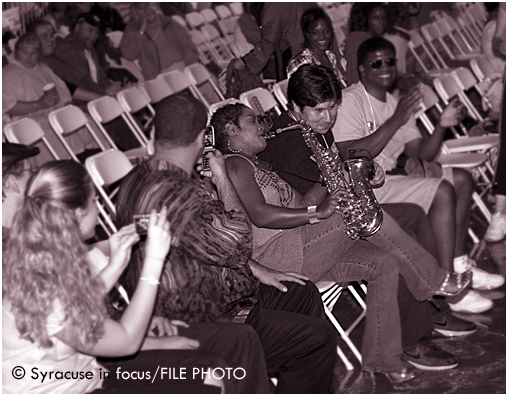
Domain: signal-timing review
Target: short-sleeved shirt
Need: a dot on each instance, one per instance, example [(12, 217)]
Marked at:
[(360, 114)]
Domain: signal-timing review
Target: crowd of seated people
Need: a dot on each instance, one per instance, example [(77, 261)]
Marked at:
[(225, 277)]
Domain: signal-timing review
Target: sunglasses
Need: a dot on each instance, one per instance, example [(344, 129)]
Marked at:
[(390, 62)]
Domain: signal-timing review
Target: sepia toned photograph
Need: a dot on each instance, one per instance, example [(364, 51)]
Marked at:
[(254, 198)]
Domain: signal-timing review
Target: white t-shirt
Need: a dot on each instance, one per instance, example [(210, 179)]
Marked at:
[(360, 114), (35, 360)]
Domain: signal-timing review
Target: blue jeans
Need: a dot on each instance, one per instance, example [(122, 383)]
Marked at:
[(330, 254)]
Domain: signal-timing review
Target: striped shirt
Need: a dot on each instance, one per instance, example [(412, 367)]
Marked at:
[(205, 278)]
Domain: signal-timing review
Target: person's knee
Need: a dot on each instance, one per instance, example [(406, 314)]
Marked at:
[(445, 196), (463, 182)]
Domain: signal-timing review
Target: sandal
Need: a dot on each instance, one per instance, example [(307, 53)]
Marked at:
[(400, 376), (453, 284)]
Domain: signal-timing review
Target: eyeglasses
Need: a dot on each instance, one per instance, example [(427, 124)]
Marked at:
[(390, 62)]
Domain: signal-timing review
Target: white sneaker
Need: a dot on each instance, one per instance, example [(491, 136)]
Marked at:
[(472, 303), (482, 280), (497, 228)]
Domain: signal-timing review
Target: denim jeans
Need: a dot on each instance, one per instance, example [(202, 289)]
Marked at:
[(379, 259)]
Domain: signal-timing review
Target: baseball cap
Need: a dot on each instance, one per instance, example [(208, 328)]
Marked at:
[(12, 153)]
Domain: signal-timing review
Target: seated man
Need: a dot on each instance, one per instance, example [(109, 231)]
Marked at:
[(314, 93), (78, 54), (207, 345), (158, 42), (374, 120), (207, 277)]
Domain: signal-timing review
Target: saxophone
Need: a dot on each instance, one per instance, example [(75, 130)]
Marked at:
[(362, 215)]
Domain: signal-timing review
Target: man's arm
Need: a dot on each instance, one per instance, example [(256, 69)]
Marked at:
[(271, 33)]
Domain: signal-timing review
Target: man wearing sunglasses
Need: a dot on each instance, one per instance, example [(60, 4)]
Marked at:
[(371, 118)]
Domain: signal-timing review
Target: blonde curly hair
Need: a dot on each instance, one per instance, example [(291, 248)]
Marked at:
[(45, 263)]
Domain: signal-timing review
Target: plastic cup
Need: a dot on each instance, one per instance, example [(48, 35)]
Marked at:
[(50, 89)]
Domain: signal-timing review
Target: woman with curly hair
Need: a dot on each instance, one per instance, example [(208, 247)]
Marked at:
[(54, 317)]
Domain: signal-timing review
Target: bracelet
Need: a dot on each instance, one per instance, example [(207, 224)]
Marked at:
[(152, 281), (312, 214)]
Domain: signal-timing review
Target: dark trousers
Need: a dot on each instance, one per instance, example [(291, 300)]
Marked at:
[(224, 345), (299, 344)]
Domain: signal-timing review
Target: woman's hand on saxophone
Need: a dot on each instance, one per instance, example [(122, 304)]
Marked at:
[(331, 202)]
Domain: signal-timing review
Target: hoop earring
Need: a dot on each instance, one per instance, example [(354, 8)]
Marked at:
[(235, 150)]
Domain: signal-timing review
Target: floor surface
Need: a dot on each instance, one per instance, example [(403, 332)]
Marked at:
[(482, 355)]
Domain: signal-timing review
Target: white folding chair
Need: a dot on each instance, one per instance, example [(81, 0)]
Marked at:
[(156, 89), (209, 15), (198, 75), (215, 106), (330, 293), (68, 120), (28, 132), (218, 46), (260, 100), (280, 90), (236, 8), (133, 100), (107, 109), (195, 19), (227, 27), (458, 47), (107, 168), (178, 19), (223, 12), (204, 47)]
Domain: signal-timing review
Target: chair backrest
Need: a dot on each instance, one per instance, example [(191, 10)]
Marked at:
[(432, 34), (133, 99), (205, 53), (67, 120), (176, 80), (465, 78), (482, 68), (236, 8), (214, 106), (198, 74), (115, 37), (106, 109), (447, 87), (105, 169), (429, 97), (259, 97), (416, 45), (156, 90), (178, 19), (28, 132), (195, 19), (108, 167), (70, 119), (227, 26), (280, 90), (24, 131), (209, 15), (219, 47), (223, 11)]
